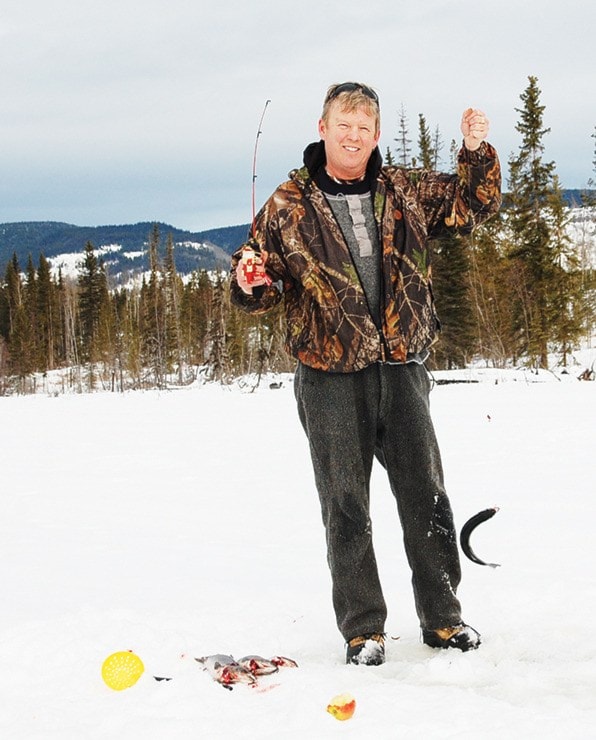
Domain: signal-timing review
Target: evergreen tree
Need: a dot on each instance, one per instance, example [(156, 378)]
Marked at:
[(153, 314), (437, 146), (14, 289), (106, 322), (218, 354), (451, 287), (69, 323), (4, 313), (242, 341), (490, 294), (426, 153), (89, 302), (48, 317), (403, 148), (95, 325), (20, 359), (197, 308), (31, 308), (451, 279), (119, 302), (531, 187), (172, 304)]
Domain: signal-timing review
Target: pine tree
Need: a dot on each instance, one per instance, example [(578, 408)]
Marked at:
[(437, 146), (31, 314), (153, 315), (14, 290), (106, 321), (172, 305), (198, 306), (67, 291), (218, 355), (425, 149), (451, 288), (403, 148), (89, 300), (4, 313), (451, 279), (490, 295), (20, 360), (531, 187), (121, 342), (95, 316), (48, 316), (242, 341)]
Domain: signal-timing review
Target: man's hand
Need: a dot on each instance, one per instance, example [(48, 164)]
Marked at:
[(474, 127), (250, 271)]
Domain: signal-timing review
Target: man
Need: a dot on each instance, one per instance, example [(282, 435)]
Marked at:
[(344, 243)]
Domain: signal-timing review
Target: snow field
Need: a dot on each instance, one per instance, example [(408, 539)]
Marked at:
[(186, 523)]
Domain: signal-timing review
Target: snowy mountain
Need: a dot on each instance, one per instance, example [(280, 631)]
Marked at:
[(123, 248)]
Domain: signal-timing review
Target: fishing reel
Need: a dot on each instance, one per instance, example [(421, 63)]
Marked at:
[(252, 266)]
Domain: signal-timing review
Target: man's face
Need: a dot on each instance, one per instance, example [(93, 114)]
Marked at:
[(350, 137)]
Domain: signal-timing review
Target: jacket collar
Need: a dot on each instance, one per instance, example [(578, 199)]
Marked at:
[(314, 158)]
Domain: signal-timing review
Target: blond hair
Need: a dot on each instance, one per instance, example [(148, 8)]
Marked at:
[(352, 96)]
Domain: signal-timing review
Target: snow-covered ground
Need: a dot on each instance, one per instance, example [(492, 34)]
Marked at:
[(186, 523)]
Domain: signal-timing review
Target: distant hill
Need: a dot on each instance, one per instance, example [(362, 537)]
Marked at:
[(124, 248), (128, 244), (576, 198)]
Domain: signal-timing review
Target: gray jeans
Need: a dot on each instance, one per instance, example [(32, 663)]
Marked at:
[(349, 418)]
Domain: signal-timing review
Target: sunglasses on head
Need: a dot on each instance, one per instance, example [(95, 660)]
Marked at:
[(350, 87)]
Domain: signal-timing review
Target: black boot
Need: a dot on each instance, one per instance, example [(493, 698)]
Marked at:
[(366, 649), (461, 636)]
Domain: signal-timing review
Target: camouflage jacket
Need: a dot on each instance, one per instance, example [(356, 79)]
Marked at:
[(329, 325)]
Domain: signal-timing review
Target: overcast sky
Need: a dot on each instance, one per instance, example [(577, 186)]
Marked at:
[(120, 111)]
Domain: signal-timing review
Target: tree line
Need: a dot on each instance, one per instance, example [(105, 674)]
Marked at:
[(517, 290), (161, 332)]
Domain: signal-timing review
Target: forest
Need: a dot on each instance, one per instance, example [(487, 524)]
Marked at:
[(521, 289)]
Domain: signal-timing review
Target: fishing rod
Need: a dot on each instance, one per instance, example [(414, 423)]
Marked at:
[(251, 262), (254, 167)]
